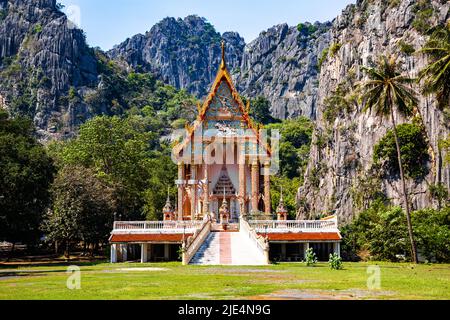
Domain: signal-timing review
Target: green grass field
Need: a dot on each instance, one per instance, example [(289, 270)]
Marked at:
[(283, 281)]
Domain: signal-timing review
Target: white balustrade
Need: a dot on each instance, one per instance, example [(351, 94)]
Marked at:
[(259, 241), (295, 226), (156, 226)]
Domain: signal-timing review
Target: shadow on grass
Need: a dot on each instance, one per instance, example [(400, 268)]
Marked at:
[(50, 261)]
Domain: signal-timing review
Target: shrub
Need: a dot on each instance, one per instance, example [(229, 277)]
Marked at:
[(440, 193), (310, 258), (335, 47), (335, 262), (423, 12), (413, 147), (380, 233), (406, 48), (37, 29), (306, 28), (323, 57), (2, 15)]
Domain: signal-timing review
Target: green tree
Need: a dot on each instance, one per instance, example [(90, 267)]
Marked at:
[(26, 172), (260, 111), (413, 147), (437, 74), (119, 151), (380, 233), (432, 228), (385, 90), (83, 208), (289, 160)]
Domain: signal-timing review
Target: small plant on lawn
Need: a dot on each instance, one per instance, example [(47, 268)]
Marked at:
[(180, 253), (335, 262), (311, 258)]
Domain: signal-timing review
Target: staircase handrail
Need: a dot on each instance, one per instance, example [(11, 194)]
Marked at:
[(193, 243), (260, 242)]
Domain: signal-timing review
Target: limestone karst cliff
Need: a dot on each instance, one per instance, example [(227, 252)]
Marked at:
[(184, 53), (339, 177), (281, 64), (42, 55)]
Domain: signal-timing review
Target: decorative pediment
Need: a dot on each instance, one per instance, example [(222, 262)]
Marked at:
[(223, 110)]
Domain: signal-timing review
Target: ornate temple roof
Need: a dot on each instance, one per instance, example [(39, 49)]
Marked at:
[(224, 77)]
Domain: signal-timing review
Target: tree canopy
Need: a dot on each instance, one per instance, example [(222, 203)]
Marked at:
[(26, 172)]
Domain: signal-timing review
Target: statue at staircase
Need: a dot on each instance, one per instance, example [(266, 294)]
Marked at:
[(224, 212)]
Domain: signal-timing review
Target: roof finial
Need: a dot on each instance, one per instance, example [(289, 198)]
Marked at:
[(223, 64)]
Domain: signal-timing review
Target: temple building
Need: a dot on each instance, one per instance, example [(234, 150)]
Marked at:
[(223, 212), (223, 153)]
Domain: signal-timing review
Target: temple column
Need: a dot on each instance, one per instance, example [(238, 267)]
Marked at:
[(337, 248), (181, 179), (114, 253), (242, 187), (194, 192), (206, 192), (144, 251), (267, 200), (255, 186)]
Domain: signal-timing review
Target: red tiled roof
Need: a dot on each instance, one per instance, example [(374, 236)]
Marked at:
[(305, 236), (124, 238)]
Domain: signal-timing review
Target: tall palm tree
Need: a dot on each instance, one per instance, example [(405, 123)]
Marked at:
[(386, 89), (437, 73)]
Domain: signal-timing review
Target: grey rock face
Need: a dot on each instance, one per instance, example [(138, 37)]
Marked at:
[(43, 55), (184, 53), (282, 65), (339, 174)]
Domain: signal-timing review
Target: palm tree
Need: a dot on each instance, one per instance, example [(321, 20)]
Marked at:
[(386, 89), (437, 73)]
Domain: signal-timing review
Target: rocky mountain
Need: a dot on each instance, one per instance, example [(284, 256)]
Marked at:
[(281, 64), (43, 55), (339, 176), (184, 53)]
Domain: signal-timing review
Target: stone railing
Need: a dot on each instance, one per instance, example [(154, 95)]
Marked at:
[(193, 243), (261, 243), (295, 226), (173, 227)]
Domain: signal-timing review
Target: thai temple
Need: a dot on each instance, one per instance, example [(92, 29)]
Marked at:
[(223, 212)]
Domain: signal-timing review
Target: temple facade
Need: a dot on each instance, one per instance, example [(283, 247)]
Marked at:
[(223, 212), (223, 155)]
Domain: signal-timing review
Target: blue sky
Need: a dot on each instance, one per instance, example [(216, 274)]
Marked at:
[(109, 22)]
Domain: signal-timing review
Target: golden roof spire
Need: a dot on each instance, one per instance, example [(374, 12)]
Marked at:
[(223, 65)]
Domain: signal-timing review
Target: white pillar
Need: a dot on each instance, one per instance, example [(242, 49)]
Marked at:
[(144, 250), (114, 253), (337, 248), (167, 252)]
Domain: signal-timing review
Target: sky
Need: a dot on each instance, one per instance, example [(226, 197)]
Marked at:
[(110, 22)]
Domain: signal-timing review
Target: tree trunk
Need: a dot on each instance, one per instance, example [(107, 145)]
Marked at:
[(67, 253), (405, 194)]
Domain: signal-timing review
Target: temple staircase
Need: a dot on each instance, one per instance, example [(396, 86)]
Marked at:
[(228, 248)]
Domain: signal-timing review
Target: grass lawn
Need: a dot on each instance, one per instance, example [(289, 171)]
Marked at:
[(173, 281)]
